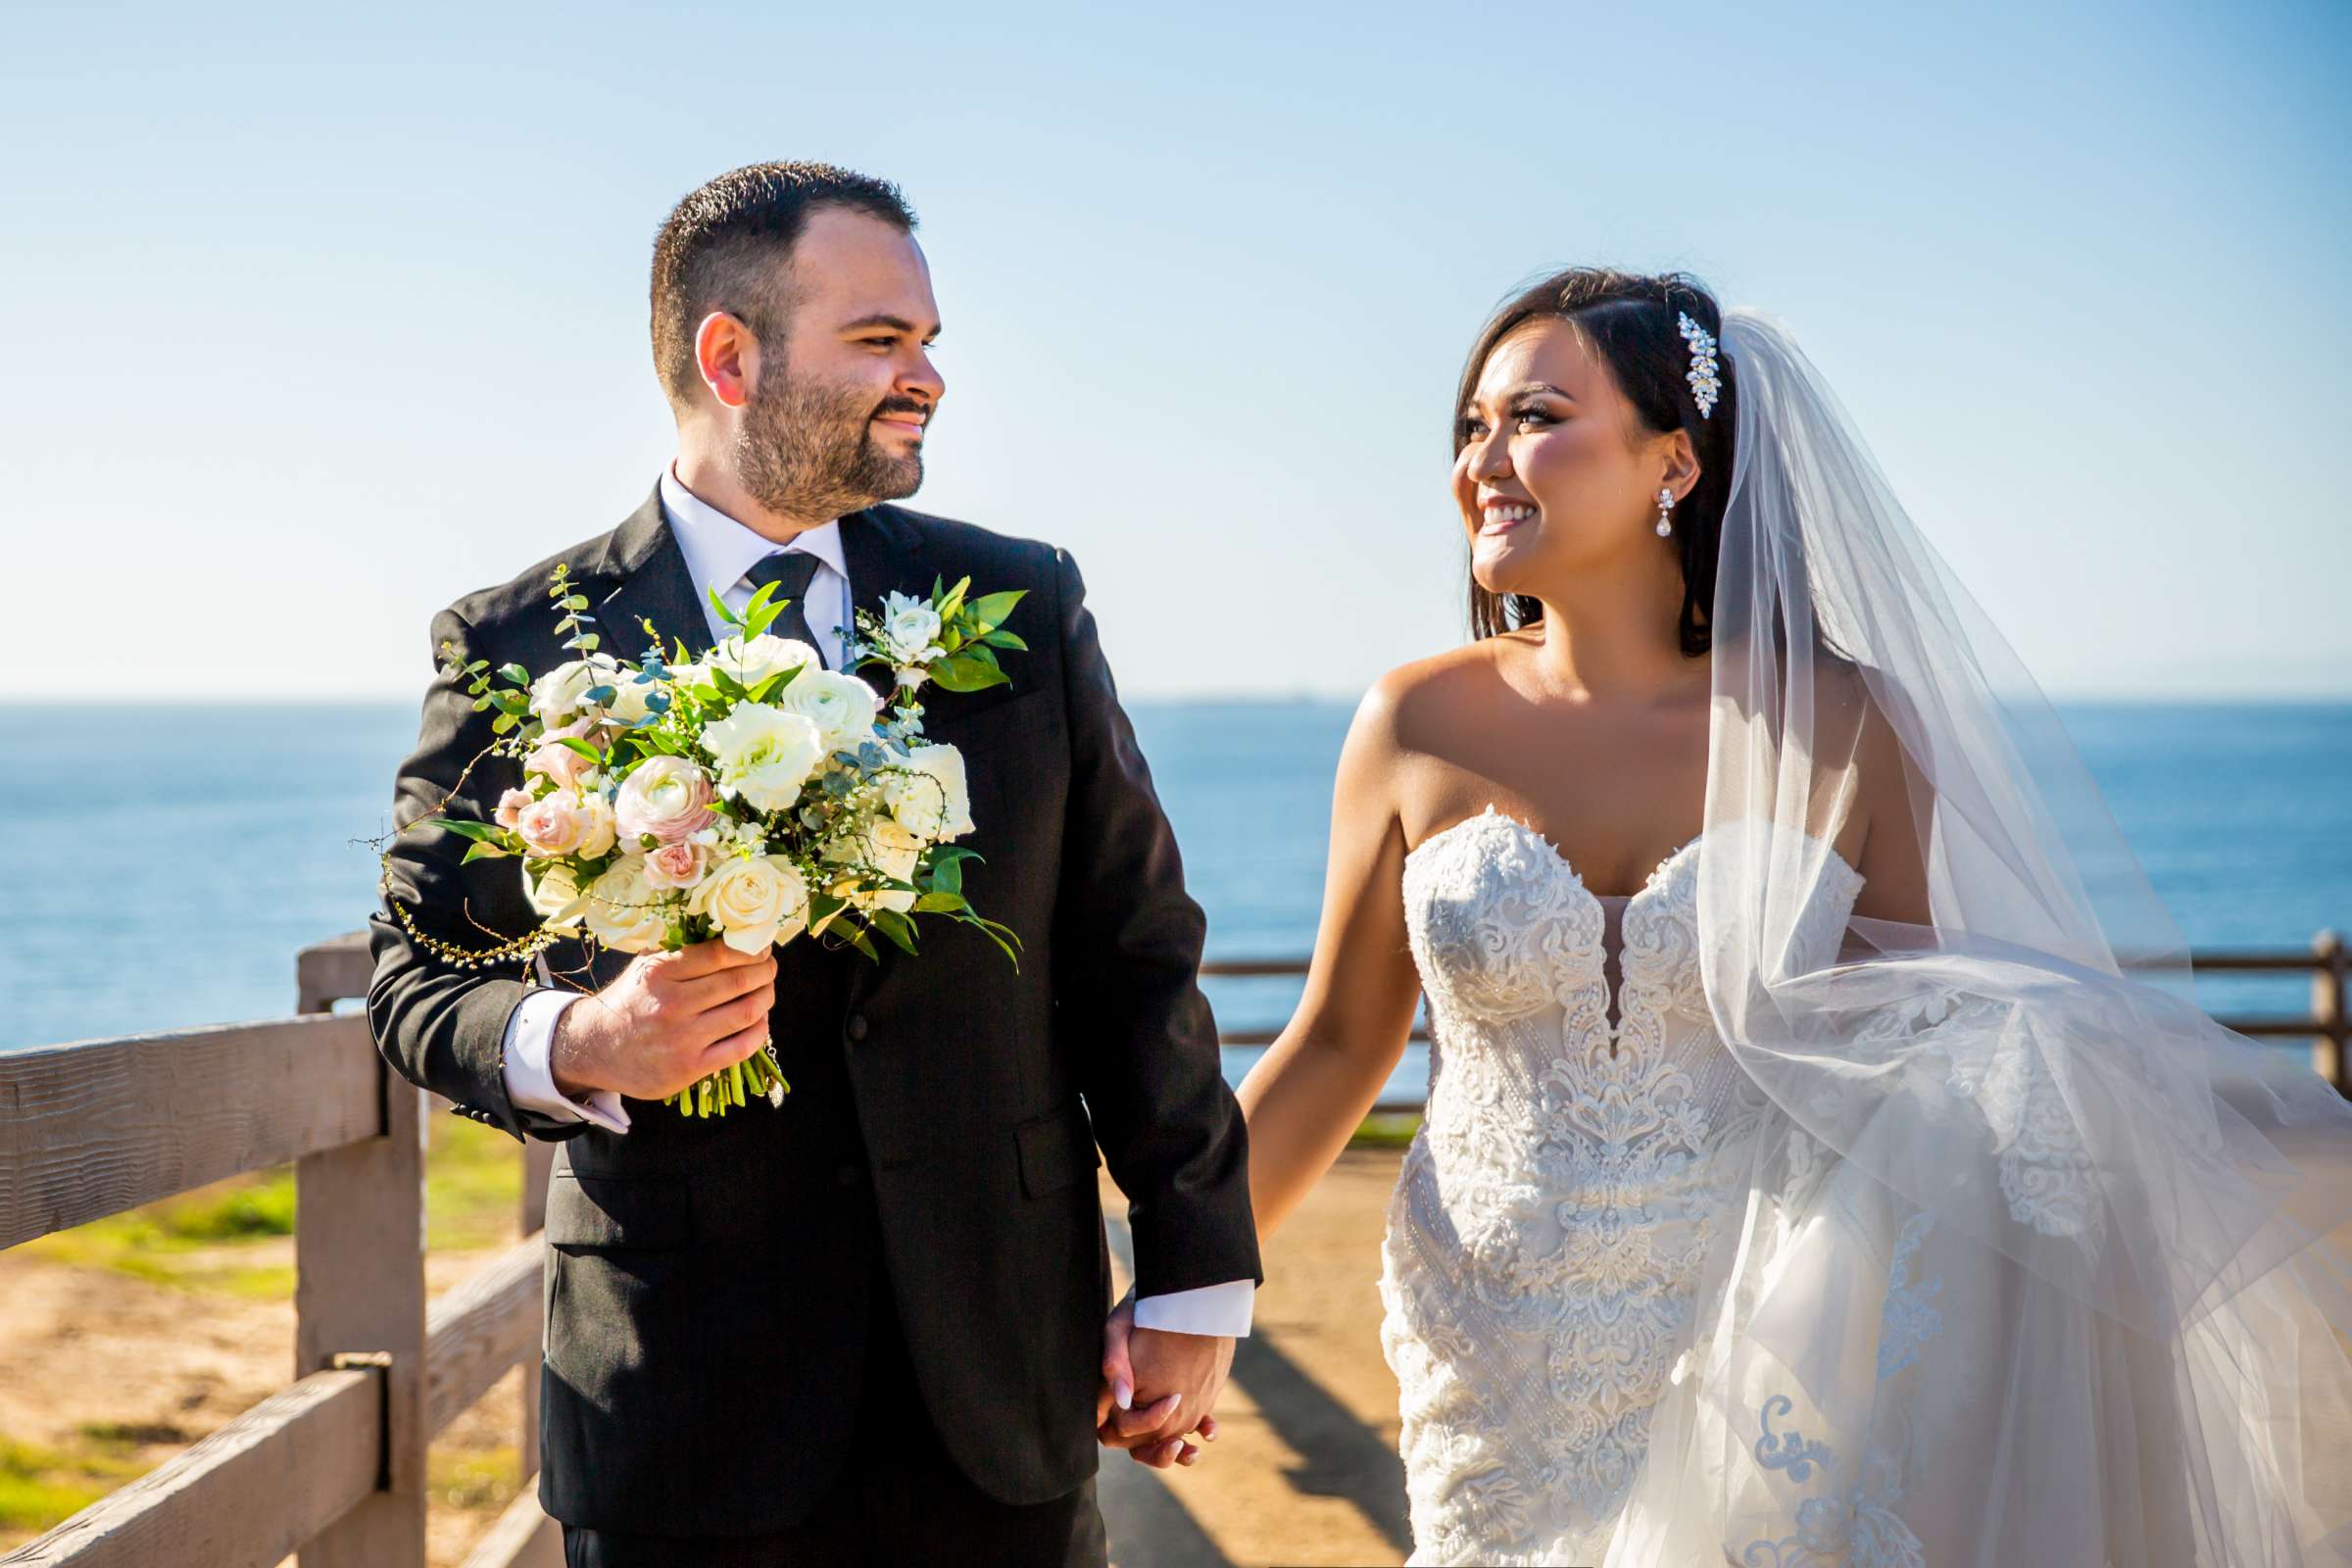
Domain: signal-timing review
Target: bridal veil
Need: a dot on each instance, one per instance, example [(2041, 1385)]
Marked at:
[(2033, 1267)]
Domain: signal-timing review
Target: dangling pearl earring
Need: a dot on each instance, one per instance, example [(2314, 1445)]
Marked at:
[(1665, 512)]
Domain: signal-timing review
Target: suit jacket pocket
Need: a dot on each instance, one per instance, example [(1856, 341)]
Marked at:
[(619, 1213), (1057, 1151)]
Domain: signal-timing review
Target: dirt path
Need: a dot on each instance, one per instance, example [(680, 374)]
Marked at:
[(1304, 1468)]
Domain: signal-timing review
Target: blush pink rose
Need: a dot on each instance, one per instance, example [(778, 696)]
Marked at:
[(511, 807), (560, 765), (674, 865), (667, 796), (552, 826)]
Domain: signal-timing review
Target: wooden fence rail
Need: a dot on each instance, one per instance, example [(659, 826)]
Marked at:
[(2328, 1026), (332, 1466)]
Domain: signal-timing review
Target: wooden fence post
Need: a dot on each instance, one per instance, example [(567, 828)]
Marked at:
[(2332, 1051), (359, 1291)]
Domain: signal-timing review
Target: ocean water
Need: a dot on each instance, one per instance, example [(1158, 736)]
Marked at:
[(170, 862)]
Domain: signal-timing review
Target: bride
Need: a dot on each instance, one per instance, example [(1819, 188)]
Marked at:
[(1821, 1164)]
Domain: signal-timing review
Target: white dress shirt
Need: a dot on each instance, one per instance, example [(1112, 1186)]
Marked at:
[(719, 552)]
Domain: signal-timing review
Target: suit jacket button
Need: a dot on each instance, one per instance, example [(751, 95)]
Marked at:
[(857, 1026), (848, 1176)]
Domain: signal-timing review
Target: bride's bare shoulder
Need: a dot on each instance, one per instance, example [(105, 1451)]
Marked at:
[(1413, 707)]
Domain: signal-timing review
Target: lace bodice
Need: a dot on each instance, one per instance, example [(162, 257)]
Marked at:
[(1548, 1223)]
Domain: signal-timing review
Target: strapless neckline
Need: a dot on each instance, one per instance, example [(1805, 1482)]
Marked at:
[(1568, 869)]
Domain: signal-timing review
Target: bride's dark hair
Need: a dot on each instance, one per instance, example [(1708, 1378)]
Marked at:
[(1629, 321)]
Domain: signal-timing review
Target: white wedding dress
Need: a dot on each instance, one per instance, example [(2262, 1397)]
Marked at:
[(1578, 1152)]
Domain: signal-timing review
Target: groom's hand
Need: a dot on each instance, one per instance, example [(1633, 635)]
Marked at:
[(669, 1019), (1158, 1388)]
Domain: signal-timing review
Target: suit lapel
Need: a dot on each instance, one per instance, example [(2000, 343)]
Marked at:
[(883, 550), (648, 580)]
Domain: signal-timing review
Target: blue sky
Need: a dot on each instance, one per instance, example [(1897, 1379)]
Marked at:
[(314, 323)]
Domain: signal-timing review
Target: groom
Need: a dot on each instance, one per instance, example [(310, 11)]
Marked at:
[(864, 1326)]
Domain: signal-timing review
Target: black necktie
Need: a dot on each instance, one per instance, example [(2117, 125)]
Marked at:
[(791, 570)]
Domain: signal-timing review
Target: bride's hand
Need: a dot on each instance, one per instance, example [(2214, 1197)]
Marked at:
[(1117, 1393)]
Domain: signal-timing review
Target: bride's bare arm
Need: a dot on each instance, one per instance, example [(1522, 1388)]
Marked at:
[(1313, 1086)]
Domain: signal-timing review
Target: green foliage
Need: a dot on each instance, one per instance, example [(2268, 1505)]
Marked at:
[(893, 925)]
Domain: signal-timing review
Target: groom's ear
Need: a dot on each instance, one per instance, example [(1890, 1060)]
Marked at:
[(727, 355)]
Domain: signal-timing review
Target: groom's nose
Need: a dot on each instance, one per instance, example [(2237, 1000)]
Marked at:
[(921, 379)]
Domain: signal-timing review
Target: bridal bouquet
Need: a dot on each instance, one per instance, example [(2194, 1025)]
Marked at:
[(749, 794)]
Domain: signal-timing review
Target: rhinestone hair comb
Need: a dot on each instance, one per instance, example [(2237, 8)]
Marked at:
[(1704, 384)]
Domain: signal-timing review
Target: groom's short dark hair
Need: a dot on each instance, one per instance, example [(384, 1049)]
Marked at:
[(723, 246)]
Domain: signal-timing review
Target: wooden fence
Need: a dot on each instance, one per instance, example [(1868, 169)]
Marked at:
[(332, 1466)]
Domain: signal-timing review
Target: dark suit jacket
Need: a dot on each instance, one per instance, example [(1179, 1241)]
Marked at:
[(708, 1292)]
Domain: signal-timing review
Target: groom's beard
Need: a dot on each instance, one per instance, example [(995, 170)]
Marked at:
[(809, 450)]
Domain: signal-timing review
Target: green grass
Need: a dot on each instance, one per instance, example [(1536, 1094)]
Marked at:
[(40, 1487), (474, 1478), (1387, 1130), (472, 1185)]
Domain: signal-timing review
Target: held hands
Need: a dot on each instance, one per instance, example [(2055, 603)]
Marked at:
[(1179, 1377), (669, 1019)]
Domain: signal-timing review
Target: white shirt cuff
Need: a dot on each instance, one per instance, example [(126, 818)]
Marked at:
[(532, 1082), (1223, 1310)]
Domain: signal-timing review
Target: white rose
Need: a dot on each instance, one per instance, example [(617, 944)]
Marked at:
[(756, 901), (841, 706), (886, 848), (909, 625), (624, 910), (628, 698), (683, 677), (763, 754), (931, 799), (751, 662), (595, 813), (561, 693), (551, 892)]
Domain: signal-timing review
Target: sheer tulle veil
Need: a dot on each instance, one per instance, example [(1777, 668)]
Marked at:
[(2033, 1264)]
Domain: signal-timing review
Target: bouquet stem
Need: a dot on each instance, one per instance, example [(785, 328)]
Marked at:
[(755, 1077)]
